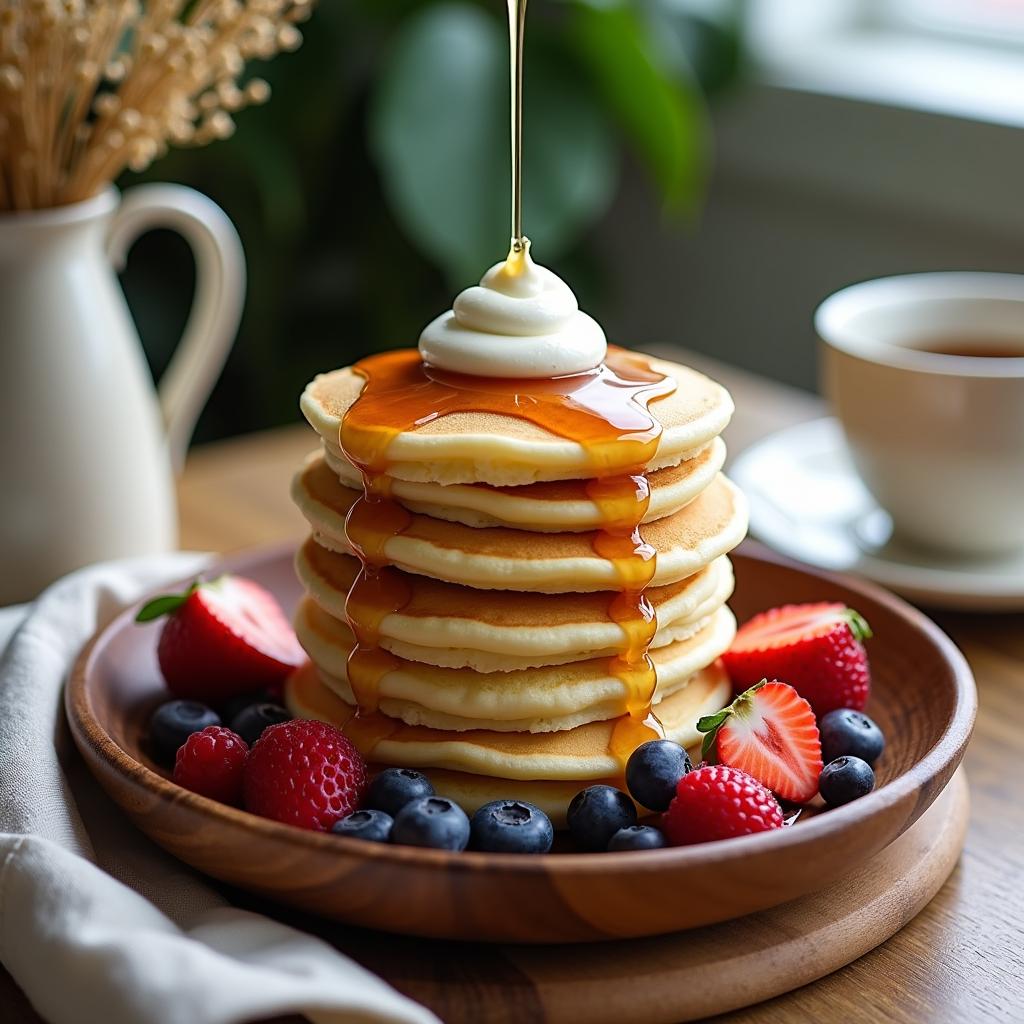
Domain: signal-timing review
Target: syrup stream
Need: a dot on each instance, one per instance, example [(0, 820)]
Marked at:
[(516, 34)]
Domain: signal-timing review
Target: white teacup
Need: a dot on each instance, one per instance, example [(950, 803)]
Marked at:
[(937, 438)]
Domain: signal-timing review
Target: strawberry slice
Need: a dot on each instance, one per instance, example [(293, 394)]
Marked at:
[(222, 638), (770, 733), (817, 648)]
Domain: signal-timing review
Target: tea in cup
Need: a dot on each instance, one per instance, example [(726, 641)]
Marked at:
[(925, 373)]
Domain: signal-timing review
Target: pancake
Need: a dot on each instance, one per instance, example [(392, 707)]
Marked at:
[(546, 507), (505, 559), (528, 700), (580, 754), (493, 630), (475, 447), (471, 792)]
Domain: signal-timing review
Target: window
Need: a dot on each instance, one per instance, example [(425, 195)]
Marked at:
[(963, 58), (997, 21)]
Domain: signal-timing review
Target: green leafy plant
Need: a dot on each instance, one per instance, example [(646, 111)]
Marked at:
[(376, 181), (594, 72)]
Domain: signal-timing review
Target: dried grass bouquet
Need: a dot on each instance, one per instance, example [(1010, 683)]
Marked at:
[(90, 87)]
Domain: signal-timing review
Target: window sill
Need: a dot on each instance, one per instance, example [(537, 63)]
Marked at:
[(973, 81), (927, 127)]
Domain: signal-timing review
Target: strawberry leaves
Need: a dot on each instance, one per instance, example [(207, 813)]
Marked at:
[(858, 625), (166, 604), (710, 724), (769, 732)]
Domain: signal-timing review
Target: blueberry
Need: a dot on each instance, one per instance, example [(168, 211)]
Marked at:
[(845, 731), (845, 779), (653, 771), (511, 826), (394, 788), (637, 837), (374, 826), (432, 821), (597, 813), (233, 705), (172, 723), (250, 722)]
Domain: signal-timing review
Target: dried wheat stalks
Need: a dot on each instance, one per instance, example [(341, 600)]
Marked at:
[(90, 87)]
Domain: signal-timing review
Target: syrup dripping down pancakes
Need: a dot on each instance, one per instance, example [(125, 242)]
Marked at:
[(514, 583)]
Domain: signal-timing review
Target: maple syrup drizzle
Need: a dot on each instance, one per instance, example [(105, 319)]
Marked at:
[(604, 410), (623, 501), (377, 591)]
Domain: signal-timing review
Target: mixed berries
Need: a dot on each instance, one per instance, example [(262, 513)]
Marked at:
[(211, 762), (393, 788), (817, 648), (432, 821), (654, 770), (222, 638), (637, 837), (769, 732), (845, 779), (511, 826), (253, 720), (172, 723), (845, 731), (304, 773), (596, 814), (373, 826), (718, 802), (795, 731)]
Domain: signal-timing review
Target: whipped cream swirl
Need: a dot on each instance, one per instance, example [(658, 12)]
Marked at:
[(520, 321)]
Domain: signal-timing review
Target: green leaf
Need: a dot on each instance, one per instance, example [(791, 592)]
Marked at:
[(167, 604), (708, 752), (159, 607), (439, 132), (709, 725), (858, 625), (698, 42), (660, 109)]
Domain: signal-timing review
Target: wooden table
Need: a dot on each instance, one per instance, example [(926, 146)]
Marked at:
[(962, 958)]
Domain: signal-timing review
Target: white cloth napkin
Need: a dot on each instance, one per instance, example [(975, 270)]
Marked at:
[(96, 922)]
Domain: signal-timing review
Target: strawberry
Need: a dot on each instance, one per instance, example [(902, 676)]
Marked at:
[(768, 732), (222, 638), (817, 648), (716, 802)]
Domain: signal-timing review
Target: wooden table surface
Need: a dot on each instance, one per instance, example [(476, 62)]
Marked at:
[(962, 958)]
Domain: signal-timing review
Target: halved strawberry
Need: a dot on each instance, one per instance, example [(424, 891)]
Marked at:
[(222, 638), (768, 732), (817, 648)]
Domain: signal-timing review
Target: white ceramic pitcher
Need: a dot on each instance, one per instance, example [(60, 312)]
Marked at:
[(88, 447)]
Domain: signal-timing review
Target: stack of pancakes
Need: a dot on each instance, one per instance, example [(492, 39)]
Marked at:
[(502, 680)]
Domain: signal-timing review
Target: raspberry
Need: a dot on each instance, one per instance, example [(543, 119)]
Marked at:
[(210, 763), (304, 773), (716, 802)]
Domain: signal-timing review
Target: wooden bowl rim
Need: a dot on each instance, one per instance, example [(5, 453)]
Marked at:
[(87, 729)]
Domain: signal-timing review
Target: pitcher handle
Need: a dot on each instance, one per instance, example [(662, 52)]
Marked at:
[(216, 308)]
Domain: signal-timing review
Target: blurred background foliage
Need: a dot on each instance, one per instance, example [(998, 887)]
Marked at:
[(374, 185)]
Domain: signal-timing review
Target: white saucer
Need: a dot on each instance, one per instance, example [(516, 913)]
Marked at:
[(807, 502)]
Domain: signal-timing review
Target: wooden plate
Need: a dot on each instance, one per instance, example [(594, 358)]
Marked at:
[(924, 699), (667, 979)]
